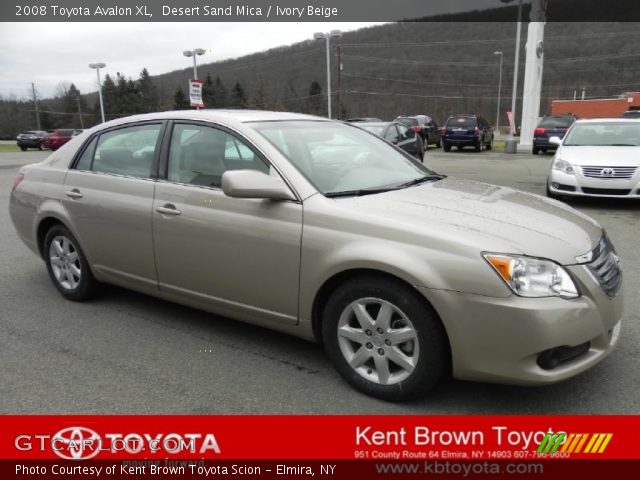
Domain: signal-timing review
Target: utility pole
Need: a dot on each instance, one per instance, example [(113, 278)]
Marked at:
[(80, 113), (339, 48), (35, 101)]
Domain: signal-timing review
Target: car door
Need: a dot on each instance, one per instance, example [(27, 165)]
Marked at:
[(108, 197), (406, 139), (240, 256)]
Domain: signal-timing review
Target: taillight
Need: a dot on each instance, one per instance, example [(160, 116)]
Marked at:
[(416, 129), (539, 131), (17, 181), (476, 131)]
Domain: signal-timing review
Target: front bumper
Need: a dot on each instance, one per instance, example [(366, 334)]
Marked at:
[(28, 143), (502, 339), (561, 183)]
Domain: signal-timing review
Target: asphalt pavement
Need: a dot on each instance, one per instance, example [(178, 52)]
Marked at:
[(129, 353)]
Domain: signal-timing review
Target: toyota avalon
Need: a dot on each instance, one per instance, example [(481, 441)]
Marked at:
[(319, 229)]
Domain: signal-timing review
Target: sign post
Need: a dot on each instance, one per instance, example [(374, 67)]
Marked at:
[(195, 94)]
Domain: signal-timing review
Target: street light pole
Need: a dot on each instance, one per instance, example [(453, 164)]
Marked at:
[(193, 53), (499, 92), (97, 67), (514, 90), (327, 36)]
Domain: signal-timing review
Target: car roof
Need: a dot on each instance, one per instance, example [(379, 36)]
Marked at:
[(240, 116), (374, 124), (609, 120)]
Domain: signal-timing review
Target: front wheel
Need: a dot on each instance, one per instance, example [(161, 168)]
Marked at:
[(384, 339), (67, 265), (24, 149)]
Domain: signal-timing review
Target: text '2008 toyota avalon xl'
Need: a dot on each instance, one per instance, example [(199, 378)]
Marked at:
[(322, 230)]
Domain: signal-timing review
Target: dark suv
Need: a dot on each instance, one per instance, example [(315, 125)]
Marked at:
[(424, 126), (31, 139), (467, 131), (550, 126)]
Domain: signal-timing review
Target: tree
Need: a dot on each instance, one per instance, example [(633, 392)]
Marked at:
[(221, 94), (314, 105), (148, 92), (109, 96), (238, 97), (180, 101), (208, 93)]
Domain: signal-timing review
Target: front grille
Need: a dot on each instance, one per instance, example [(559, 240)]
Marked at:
[(609, 172), (606, 191), (605, 267)]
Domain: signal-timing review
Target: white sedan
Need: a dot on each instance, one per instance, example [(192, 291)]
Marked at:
[(599, 158)]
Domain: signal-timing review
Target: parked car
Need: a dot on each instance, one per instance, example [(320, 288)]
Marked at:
[(403, 274), (57, 138), (398, 134), (467, 131), (550, 126), (77, 131), (424, 126), (30, 139), (599, 157), (363, 119), (631, 114)]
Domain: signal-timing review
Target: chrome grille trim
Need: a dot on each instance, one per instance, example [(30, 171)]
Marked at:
[(604, 172), (605, 267)]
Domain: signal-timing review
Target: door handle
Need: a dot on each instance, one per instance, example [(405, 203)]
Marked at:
[(168, 209), (75, 193)]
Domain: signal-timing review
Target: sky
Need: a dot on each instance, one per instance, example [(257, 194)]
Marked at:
[(48, 54)]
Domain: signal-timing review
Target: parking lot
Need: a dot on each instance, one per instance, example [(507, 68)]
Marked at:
[(129, 353)]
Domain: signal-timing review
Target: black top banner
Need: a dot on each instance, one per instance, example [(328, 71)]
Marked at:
[(318, 10)]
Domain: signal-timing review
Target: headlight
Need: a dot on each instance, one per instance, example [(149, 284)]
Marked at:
[(563, 166), (533, 277)]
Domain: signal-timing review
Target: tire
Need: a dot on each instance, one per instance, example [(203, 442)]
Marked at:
[(395, 325), (535, 150), (67, 265), (446, 147), (426, 143), (41, 148), (438, 144), (479, 145), (24, 149), (489, 145)]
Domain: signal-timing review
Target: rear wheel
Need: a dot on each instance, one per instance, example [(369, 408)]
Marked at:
[(446, 147), (67, 265), (535, 150), (24, 149), (479, 145), (490, 144), (384, 339)]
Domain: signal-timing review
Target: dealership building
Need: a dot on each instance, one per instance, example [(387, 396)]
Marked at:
[(597, 107)]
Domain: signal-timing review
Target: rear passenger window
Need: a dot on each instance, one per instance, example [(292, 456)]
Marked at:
[(84, 163), (127, 151)]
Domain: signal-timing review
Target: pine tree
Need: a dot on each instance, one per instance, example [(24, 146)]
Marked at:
[(180, 100), (209, 93), (221, 94), (314, 105), (149, 99), (109, 96), (238, 97)]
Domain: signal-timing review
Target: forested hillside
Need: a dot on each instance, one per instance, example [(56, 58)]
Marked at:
[(402, 68)]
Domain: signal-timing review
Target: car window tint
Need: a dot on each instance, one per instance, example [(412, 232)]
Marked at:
[(556, 122), (199, 155), (127, 151), (405, 133), (84, 162), (462, 122)]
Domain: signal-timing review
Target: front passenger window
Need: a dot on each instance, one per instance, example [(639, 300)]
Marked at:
[(199, 155)]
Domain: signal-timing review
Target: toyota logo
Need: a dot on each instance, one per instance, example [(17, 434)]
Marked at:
[(607, 172), (76, 443)]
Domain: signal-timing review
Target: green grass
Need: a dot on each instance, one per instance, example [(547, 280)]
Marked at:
[(11, 147), (498, 145)]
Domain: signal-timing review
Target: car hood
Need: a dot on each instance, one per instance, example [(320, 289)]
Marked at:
[(597, 156), (489, 217)]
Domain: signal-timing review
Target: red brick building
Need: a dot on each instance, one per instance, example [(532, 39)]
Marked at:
[(597, 108)]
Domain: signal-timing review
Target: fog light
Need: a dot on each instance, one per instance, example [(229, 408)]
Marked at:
[(555, 184)]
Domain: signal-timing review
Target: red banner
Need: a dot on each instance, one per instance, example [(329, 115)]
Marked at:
[(398, 438)]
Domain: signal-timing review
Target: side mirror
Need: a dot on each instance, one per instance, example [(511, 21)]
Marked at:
[(254, 184), (555, 140)]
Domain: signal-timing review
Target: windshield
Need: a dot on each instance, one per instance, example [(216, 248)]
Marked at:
[(337, 157), (375, 129), (604, 134), (462, 122)]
